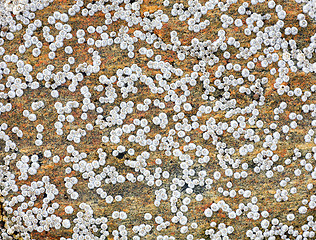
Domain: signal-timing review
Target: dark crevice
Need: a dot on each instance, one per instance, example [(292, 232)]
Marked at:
[(121, 155), (185, 186)]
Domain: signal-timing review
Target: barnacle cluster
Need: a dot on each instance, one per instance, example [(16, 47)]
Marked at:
[(138, 119)]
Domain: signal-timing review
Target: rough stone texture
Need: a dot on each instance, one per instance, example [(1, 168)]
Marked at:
[(138, 198)]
